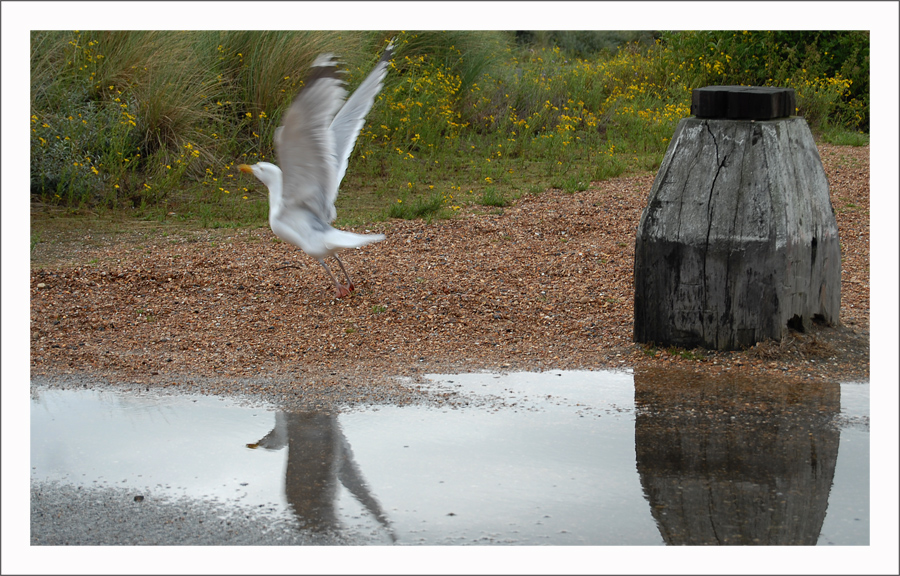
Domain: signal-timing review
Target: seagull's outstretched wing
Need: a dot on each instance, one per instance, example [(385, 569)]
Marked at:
[(350, 118), (305, 144)]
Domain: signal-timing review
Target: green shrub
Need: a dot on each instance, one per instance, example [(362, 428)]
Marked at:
[(828, 69)]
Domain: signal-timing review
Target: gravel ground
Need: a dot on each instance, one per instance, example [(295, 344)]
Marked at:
[(67, 515), (543, 283)]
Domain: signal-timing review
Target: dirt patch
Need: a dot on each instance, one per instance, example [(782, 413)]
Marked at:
[(544, 283)]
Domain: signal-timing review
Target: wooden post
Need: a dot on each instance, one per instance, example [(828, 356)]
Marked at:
[(738, 241)]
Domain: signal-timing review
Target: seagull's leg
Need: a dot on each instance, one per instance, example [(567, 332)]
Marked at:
[(339, 289), (350, 285)]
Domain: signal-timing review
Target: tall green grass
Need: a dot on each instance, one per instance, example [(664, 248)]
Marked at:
[(152, 124)]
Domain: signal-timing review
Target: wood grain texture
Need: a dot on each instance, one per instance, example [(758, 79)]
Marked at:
[(738, 239)]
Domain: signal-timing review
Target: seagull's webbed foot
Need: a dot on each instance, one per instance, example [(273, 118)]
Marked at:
[(341, 291)]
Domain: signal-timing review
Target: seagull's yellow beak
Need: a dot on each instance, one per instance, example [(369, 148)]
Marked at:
[(245, 168)]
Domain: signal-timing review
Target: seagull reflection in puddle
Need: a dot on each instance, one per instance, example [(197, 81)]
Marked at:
[(319, 457)]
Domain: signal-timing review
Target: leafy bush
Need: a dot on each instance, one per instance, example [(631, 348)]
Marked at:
[(828, 70)]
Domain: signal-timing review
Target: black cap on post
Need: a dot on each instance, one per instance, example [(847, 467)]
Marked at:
[(743, 102)]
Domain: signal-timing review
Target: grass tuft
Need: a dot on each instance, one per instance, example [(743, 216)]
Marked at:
[(417, 207), (490, 196)]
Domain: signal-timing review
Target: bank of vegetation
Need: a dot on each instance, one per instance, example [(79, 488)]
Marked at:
[(152, 125)]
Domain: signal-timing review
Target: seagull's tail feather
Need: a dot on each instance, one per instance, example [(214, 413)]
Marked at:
[(335, 238)]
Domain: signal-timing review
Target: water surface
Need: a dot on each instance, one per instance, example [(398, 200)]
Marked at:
[(561, 458)]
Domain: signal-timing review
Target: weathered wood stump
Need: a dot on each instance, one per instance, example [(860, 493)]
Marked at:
[(738, 242)]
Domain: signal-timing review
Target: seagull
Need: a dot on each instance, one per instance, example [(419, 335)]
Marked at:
[(313, 146)]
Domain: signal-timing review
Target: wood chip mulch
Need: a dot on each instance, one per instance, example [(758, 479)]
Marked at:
[(543, 283)]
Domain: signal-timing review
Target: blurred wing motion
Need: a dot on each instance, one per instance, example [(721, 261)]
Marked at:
[(319, 133)]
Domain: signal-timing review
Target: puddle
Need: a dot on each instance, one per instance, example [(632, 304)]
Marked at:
[(558, 458)]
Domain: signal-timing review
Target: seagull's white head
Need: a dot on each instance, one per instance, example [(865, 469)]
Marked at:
[(269, 174)]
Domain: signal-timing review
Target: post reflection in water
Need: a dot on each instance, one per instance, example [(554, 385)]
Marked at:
[(319, 458), (733, 460)]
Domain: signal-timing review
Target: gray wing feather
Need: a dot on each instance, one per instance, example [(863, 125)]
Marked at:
[(305, 144), (352, 116), (319, 133)]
